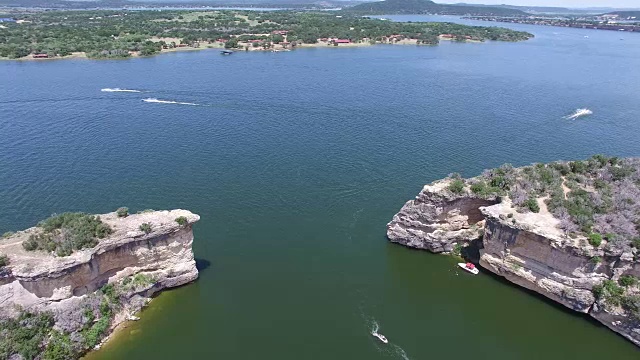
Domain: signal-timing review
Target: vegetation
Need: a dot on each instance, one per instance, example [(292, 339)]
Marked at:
[(122, 212), (119, 34), (4, 261), (182, 221), (93, 332), (145, 227), (25, 335), (32, 336), (532, 205), (7, 234), (59, 347), (456, 186), (612, 294), (137, 281), (67, 232), (595, 240), (457, 250), (628, 280), (596, 260), (429, 7), (598, 198)]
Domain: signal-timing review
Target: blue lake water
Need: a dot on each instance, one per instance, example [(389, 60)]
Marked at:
[(296, 161)]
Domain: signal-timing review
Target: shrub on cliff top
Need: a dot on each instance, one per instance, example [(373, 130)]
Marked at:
[(7, 234), (122, 212), (67, 232), (532, 205), (456, 186), (145, 227), (182, 221), (4, 261)]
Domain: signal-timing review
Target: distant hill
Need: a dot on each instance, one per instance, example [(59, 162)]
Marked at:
[(429, 7), (626, 14), (530, 9)]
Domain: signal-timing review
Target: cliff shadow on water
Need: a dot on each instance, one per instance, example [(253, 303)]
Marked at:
[(202, 264)]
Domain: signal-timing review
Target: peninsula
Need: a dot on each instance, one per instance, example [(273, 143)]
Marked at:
[(567, 230), (388, 7), (122, 34), (605, 22), (67, 283)]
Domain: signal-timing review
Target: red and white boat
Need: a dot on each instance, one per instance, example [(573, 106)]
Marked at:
[(469, 267)]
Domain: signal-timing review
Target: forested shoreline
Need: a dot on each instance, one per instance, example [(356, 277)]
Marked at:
[(124, 33)]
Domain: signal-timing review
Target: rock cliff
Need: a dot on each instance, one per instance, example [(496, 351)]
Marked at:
[(437, 219), (528, 248), (129, 266)]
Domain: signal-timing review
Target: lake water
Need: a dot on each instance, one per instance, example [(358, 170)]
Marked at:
[(296, 161)]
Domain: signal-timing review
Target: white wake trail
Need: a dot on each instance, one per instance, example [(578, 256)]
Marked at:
[(579, 113), (120, 90), (158, 101), (375, 327)]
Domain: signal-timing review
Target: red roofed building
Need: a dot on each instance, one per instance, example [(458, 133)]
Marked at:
[(40, 56)]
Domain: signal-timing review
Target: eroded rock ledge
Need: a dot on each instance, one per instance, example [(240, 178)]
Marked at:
[(134, 263), (529, 249)]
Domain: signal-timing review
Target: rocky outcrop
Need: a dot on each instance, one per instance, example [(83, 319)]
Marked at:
[(526, 248), (139, 264), (437, 219)]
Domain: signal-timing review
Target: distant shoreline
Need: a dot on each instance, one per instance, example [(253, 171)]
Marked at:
[(220, 47), (123, 34)]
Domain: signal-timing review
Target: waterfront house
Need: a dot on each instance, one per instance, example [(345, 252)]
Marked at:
[(40, 56), (335, 42)]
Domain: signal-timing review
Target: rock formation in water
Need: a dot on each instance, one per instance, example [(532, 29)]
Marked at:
[(79, 299), (569, 231)]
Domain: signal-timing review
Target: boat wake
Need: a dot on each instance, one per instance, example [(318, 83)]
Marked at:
[(392, 349), (579, 113), (375, 328), (157, 101), (120, 90)]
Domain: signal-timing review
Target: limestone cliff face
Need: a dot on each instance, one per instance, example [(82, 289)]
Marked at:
[(437, 219), (528, 249), (38, 281)]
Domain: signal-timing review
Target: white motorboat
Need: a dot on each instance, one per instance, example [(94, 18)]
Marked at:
[(380, 337), (469, 267)]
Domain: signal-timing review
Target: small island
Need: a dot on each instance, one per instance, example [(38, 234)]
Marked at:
[(68, 282), (105, 34), (567, 230)]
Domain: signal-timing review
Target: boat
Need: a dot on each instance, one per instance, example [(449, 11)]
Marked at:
[(469, 267), (226, 52), (380, 337)]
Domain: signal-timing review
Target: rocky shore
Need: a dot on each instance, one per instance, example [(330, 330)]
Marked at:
[(90, 292), (540, 250)]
